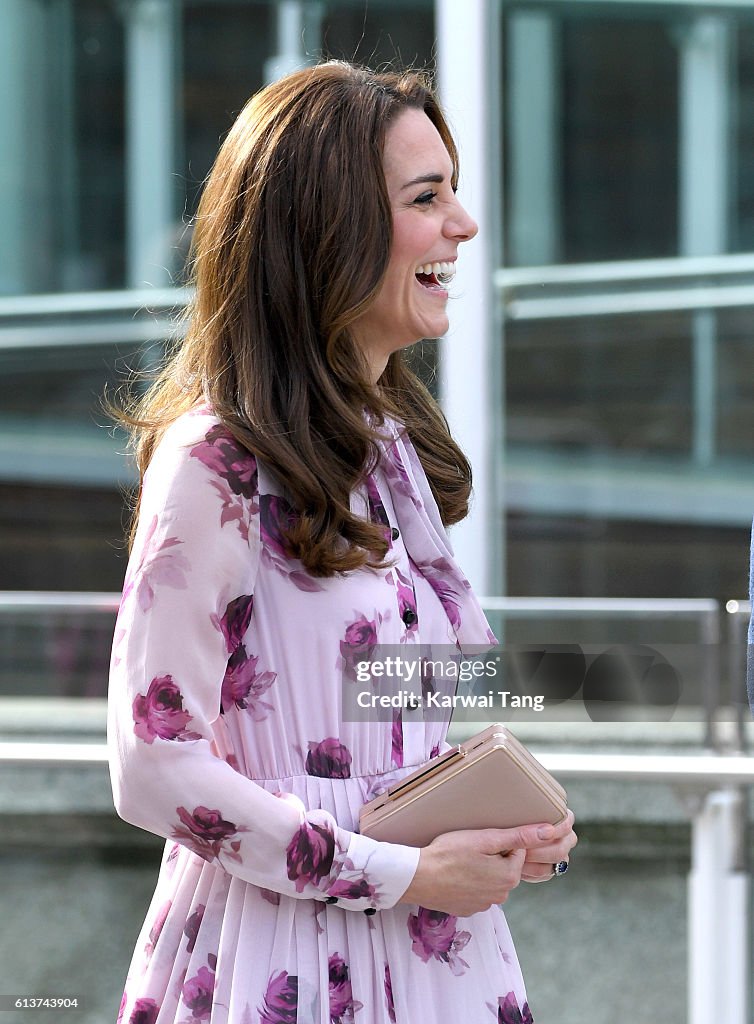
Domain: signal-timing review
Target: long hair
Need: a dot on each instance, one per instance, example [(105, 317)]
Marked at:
[(291, 243)]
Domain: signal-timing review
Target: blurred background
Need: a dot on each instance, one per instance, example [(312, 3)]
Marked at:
[(617, 201)]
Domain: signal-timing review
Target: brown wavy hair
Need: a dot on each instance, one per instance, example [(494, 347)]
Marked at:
[(291, 243)]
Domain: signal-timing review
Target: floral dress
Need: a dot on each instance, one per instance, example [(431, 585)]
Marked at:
[(227, 738)]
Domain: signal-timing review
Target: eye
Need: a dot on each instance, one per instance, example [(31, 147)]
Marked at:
[(425, 199)]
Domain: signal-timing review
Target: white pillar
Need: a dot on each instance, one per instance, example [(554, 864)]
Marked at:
[(718, 940), (291, 27), (533, 103), (150, 141), (468, 41), (705, 82)]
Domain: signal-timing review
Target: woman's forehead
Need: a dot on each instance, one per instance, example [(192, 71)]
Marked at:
[(414, 148)]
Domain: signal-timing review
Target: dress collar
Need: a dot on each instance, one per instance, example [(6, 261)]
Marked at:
[(427, 542)]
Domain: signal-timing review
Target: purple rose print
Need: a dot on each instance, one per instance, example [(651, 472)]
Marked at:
[(144, 1012), (235, 621), (206, 833), (158, 565), (276, 517), (445, 592), (360, 637), (197, 994), (434, 934), (123, 1001), (243, 687), (342, 1004), (377, 511), (192, 926), (352, 890), (234, 477), (157, 927), (389, 994), (310, 855), (358, 643), (206, 824), (220, 452), (329, 759), (159, 714), (397, 738), (399, 478), (508, 1011), (280, 1000)]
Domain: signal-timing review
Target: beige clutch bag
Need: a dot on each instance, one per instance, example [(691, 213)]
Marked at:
[(490, 781)]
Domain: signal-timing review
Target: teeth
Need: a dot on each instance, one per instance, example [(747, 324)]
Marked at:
[(443, 271)]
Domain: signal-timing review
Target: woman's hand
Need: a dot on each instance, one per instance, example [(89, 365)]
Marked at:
[(539, 860), (465, 872)]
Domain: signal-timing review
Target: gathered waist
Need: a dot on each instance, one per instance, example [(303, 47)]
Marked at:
[(341, 797)]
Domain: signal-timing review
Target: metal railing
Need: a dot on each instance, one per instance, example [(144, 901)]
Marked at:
[(713, 787), (91, 318), (626, 287), (719, 924)]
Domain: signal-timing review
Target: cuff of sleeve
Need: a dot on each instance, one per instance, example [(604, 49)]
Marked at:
[(373, 875)]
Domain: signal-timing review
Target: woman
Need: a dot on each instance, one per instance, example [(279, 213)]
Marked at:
[(296, 480)]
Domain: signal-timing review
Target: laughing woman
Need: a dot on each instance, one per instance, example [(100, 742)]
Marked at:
[(296, 481)]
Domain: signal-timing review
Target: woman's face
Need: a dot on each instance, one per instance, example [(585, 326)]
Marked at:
[(429, 223)]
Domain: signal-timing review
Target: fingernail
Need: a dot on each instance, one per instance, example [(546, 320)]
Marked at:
[(545, 832)]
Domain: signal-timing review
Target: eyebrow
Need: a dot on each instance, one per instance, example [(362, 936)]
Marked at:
[(436, 179)]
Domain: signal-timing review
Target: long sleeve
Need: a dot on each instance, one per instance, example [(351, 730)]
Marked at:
[(188, 598)]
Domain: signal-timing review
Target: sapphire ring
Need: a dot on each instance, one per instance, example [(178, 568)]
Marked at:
[(560, 868)]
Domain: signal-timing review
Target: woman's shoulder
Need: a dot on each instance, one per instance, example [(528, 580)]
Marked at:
[(199, 438)]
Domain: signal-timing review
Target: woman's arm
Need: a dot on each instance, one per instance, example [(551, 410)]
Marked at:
[(187, 600)]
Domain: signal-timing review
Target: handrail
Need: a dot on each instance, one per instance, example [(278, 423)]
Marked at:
[(568, 606), (54, 600), (698, 769), (514, 606), (626, 287), (86, 303), (619, 271), (34, 752)]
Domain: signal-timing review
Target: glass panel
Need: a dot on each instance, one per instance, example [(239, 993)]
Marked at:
[(65, 142), (61, 146), (55, 653), (620, 133), (601, 88), (600, 383), (735, 396)]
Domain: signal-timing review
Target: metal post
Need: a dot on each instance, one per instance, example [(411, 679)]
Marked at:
[(468, 42), (704, 382), (25, 236), (290, 56), (532, 58), (150, 143), (718, 894), (705, 76)]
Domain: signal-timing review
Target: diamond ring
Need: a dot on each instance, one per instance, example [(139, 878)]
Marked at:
[(560, 868)]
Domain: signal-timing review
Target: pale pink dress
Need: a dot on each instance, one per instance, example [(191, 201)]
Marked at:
[(226, 738)]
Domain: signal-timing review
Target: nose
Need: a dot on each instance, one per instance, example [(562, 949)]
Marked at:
[(461, 225)]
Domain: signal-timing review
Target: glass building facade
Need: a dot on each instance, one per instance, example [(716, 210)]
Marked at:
[(626, 197)]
